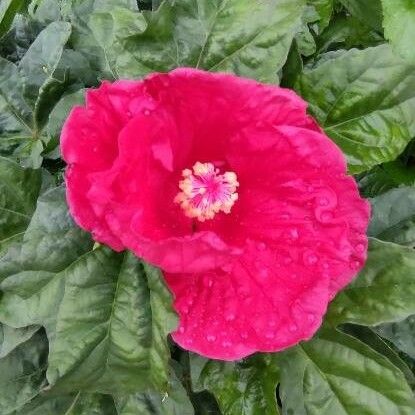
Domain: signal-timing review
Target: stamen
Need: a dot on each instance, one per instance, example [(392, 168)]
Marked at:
[(205, 192)]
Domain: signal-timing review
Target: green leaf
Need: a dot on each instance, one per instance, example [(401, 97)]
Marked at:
[(107, 315), (371, 121), (8, 9), (399, 24), (369, 11), (76, 404), (346, 32), (401, 334), (324, 9), (59, 114), (371, 339), (383, 292), (10, 337), (111, 326), (241, 388), (22, 373), (50, 243), (19, 189), (249, 38), (174, 402), (393, 216), (39, 64), (11, 90), (385, 177), (337, 374)]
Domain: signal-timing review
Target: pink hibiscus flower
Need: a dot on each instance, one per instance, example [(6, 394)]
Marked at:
[(232, 190)]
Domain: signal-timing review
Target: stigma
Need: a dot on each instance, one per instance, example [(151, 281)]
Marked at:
[(206, 192)]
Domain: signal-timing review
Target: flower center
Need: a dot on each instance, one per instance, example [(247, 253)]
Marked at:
[(205, 192)]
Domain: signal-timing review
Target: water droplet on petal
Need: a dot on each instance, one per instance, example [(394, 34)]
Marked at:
[(294, 234), (360, 248), (146, 111), (326, 216), (355, 264), (226, 343), (285, 216), (185, 310), (129, 114), (293, 328), (261, 246), (311, 318), (263, 273), (230, 317), (323, 201), (269, 335), (210, 338), (181, 329), (244, 334), (310, 258)]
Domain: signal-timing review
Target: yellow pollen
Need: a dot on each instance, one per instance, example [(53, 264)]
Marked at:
[(205, 192)]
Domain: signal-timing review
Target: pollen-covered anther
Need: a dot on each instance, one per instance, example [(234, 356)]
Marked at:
[(205, 192)]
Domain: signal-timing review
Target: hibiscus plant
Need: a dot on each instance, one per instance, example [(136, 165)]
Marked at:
[(207, 207)]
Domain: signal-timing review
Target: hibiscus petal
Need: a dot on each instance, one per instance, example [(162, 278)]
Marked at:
[(258, 304)]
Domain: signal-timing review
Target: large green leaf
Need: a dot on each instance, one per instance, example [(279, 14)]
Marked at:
[(324, 9), (42, 58), (371, 121), (8, 9), (10, 338), (399, 24), (11, 91), (75, 404), (174, 402), (368, 11), (241, 388), (111, 326), (22, 373), (38, 67), (107, 315), (401, 334), (19, 189), (385, 177), (383, 292), (250, 38), (337, 374), (393, 216)]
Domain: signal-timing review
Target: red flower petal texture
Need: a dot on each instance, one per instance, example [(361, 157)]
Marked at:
[(232, 190)]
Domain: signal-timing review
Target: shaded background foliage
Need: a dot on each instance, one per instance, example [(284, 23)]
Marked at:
[(60, 353)]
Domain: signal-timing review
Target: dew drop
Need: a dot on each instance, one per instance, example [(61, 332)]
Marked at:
[(146, 111), (294, 234), (226, 343), (230, 317), (263, 273), (311, 318), (181, 329), (325, 265), (269, 335), (293, 328), (285, 216), (288, 260), (185, 310), (360, 248), (272, 323), (355, 264), (323, 201), (310, 258), (261, 246), (327, 216), (244, 334), (129, 114), (210, 338)]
